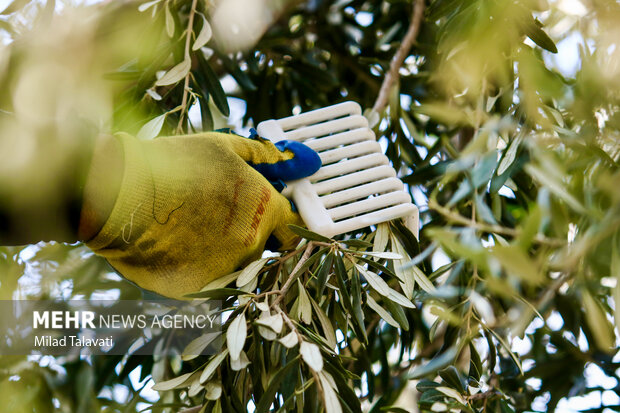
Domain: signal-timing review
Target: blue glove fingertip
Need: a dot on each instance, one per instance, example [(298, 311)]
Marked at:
[(304, 163)]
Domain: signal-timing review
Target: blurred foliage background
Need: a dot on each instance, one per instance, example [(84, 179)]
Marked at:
[(503, 122)]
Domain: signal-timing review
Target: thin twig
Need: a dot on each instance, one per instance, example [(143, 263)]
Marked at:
[(294, 274), (399, 57), (497, 229), (194, 409), (188, 39)]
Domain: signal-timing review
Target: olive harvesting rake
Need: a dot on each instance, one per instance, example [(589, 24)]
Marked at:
[(356, 187)]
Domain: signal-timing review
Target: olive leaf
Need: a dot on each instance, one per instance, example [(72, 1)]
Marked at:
[(236, 335), (175, 74)]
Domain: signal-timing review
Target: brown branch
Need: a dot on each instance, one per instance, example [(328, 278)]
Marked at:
[(188, 38), (294, 274), (399, 57)]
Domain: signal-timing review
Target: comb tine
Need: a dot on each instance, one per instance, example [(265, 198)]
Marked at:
[(349, 151), (327, 128), (368, 205), (354, 179), (320, 115), (341, 138), (350, 165), (373, 218), (362, 191)]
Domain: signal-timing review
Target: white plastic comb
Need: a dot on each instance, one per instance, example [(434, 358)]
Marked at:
[(356, 187)]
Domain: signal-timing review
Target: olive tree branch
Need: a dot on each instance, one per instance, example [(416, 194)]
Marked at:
[(399, 57), (294, 274), (188, 39), (497, 229)]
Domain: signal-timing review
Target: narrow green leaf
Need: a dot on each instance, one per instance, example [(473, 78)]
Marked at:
[(538, 36), (492, 357), (197, 346), (483, 169), (274, 385), (452, 378), (214, 86), (251, 271), (382, 312), (385, 255), (554, 186), (204, 36), (503, 343), (307, 234), (236, 335), (483, 211), (475, 364), (341, 376), (357, 243), (195, 388), (175, 74), (312, 260), (356, 296), (452, 394), (597, 321), (274, 322), (504, 407), (330, 399), (382, 236), (398, 313), (434, 364), (169, 21), (14, 6), (152, 128), (175, 383), (379, 268), (206, 117), (394, 409), (213, 390), (290, 340), (345, 298), (401, 269), (145, 6), (311, 354), (400, 299), (375, 281), (323, 274), (240, 363), (326, 325), (509, 155), (305, 308), (212, 365), (423, 280)]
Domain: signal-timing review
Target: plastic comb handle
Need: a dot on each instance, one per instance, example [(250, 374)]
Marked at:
[(356, 187)]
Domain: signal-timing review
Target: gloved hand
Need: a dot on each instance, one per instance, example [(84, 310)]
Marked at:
[(191, 209)]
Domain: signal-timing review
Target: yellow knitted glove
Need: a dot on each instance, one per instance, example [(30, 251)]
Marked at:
[(194, 208)]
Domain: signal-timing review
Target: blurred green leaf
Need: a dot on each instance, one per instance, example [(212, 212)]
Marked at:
[(534, 31)]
